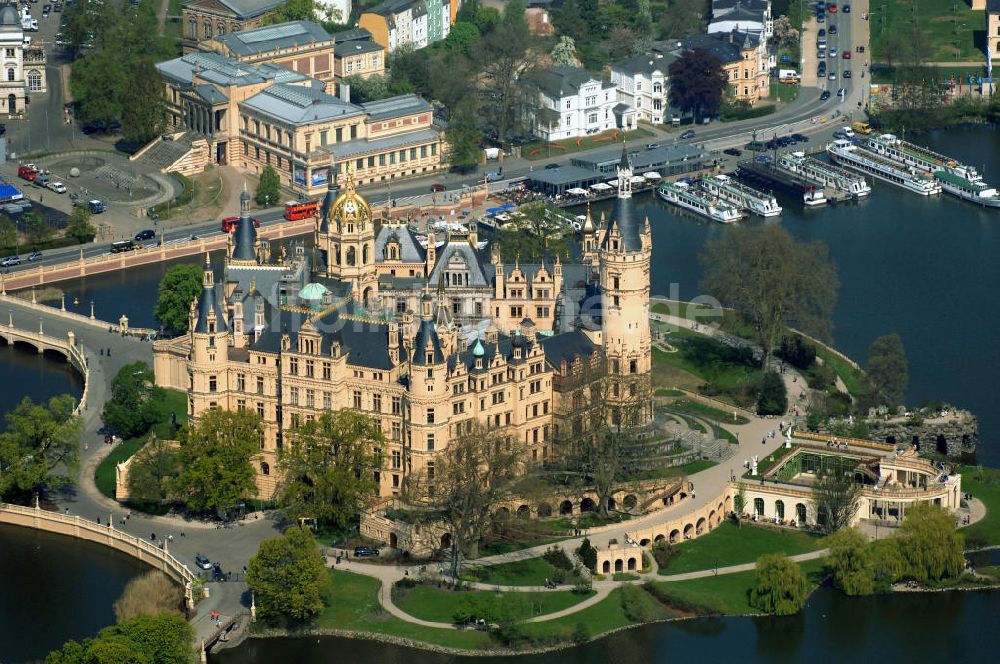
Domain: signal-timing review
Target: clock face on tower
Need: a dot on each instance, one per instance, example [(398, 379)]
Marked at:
[(350, 207)]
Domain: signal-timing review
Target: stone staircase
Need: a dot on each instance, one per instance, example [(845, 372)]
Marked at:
[(186, 153)]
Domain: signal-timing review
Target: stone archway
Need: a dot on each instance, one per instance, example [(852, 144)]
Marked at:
[(630, 501), (659, 538), (619, 565), (606, 567), (675, 536), (700, 527), (711, 519), (524, 511), (941, 444), (800, 514), (502, 512), (689, 531), (612, 505), (588, 505), (393, 541), (729, 504), (644, 541), (631, 564), (544, 510), (779, 510), (446, 541), (566, 507)]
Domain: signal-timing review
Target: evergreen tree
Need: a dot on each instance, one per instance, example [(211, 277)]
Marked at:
[(268, 188), (773, 397)]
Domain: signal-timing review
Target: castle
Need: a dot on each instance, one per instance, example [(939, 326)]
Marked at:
[(427, 337)]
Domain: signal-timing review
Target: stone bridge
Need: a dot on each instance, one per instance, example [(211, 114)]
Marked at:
[(68, 348)]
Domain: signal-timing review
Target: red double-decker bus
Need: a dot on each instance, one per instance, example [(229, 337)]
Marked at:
[(295, 211)]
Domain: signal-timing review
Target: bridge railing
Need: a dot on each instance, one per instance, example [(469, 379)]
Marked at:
[(76, 526), (68, 347)]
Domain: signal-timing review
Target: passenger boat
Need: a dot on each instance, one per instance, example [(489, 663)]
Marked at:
[(824, 175), (908, 177), (683, 194), (740, 195)]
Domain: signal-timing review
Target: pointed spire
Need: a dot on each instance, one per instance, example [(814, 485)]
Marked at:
[(588, 223)]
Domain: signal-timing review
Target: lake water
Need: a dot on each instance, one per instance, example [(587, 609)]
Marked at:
[(927, 269)]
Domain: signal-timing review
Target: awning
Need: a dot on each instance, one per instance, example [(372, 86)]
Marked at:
[(576, 191), (652, 175), (494, 210), (637, 179), (600, 186)]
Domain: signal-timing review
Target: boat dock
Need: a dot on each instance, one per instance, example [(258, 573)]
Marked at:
[(824, 174), (767, 174)]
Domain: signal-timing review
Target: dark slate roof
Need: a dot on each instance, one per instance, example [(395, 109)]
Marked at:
[(272, 37), (390, 7), (245, 240), (355, 47), (993, 6), (726, 46), (426, 343), (566, 347), (623, 217), (210, 93), (395, 107), (565, 80), (355, 34), (645, 63), (504, 346), (479, 275), (332, 189), (410, 250), (210, 299)]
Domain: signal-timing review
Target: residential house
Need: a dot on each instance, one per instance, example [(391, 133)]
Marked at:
[(575, 103), (752, 16), (12, 83), (412, 23), (205, 19), (743, 58), (642, 82)]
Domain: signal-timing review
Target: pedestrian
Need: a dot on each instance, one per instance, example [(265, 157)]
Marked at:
[(102, 352), (98, 520), (109, 352), (67, 510), (152, 536)]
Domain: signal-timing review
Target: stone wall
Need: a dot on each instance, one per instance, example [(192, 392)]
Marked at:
[(954, 434)]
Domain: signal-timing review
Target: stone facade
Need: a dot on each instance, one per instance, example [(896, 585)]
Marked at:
[(13, 85), (205, 19), (955, 434), (305, 335)]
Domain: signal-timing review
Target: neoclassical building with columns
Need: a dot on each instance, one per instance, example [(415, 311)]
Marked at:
[(427, 334)]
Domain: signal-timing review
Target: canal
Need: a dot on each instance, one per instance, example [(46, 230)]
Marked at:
[(924, 268)]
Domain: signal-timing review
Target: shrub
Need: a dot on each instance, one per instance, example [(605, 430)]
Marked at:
[(558, 575), (664, 552), (588, 554), (584, 586), (634, 604), (581, 633), (152, 593), (557, 558), (797, 351), (773, 397)]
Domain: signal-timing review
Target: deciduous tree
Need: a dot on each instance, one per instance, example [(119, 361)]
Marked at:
[(217, 458), (781, 586), (166, 638), (888, 369), (79, 227), (144, 110), (268, 187), (37, 230), (697, 83), (8, 233), (40, 447), (464, 137), (473, 475), (837, 499), (328, 467), (773, 396), (178, 289), (772, 281), (850, 560), (373, 88), (929, 543), (134, 404), (152, 471), (287, 575)]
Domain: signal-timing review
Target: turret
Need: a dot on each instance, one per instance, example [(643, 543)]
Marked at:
[(244, 246), (208, 331)]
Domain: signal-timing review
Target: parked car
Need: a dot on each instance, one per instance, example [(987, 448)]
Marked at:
[(202, 561), (550, 167), (847, 55), (821, 33), (833, 29), (825, 95), (847, 73), (96, 206), (438, 187), (733, 152), (846, 9), (762, 158), (800, 138), (57, 187), (652, 146), (832, 76), (832, 8), (687, 134), (10, 261), (365, 552), (34, 256), (147, 234), (833, 52)]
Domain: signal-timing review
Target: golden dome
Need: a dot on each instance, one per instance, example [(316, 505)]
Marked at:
[(350, 205)]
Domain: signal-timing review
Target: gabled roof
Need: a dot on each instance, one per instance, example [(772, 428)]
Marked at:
[(395, 107), (297, 104), (220, 70), (567, 347), (248, 8), (390, 7), (410, 250), (273, 37), (726, 46), (355, 47), (479, 276), (645, 63), (565, 81)]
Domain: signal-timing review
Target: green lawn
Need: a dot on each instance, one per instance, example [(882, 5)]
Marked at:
[(352, 604), (606, 615), (707, 359), (438, 605), (854, 379), (885, 74), (783, 92), (948, 28), (611, 138), (529, 572), (729, 545), (728, 594), (984, 484), (668, 393), (708, 412), (688, 310), (104, 475)]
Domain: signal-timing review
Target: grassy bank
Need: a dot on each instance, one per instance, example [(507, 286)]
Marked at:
[(948, 29), (984, 484), (104, 475), (730, 545), (439, 605), (529, 572)]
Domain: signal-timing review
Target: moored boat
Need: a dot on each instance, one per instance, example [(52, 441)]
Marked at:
[(683, 194), (740, 195)]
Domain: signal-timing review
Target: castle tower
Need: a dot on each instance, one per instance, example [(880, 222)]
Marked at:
[(243, 245), (589, 256), (209, 336), (624, 252), (346, 237), (427, 389)]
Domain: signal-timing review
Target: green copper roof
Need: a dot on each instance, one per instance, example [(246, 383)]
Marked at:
[(478, 349), (313, 291)]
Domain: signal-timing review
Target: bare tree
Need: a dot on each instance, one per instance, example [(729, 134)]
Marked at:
[(837, 500), (471, 477)]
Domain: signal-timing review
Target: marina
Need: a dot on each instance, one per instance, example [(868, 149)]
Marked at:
[(956, 178), (824, 175), (848, 154), (740, 195), (690, 197), (766, 173)]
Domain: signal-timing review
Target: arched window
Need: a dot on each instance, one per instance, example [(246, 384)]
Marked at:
[(351, 256), (758, 506), (34, 81), (220, 28), (193, 29), (364, 255), (10, 74), (208, 29), (265, 469)]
